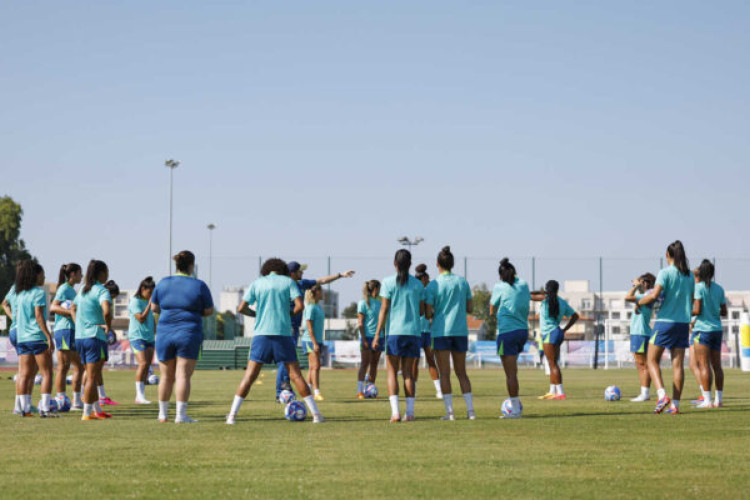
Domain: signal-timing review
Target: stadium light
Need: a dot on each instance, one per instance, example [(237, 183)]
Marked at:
[(171, 165), (211, 228)]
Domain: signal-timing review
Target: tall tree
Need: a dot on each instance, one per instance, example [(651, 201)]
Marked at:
[(350, 311), (12, 247), (482, 311)]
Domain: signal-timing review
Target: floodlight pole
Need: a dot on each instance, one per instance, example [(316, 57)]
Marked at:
[(171, 165), (211, 228)]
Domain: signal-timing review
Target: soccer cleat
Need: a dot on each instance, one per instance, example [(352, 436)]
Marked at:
[(139, 401), (27, 414), (318, 418), (395, 419), (33, 409), (107, 401), (103, 415), (662, 404), (319, 397), (640, 399), (93, 416), (449, 417), (561, 396), (231, 419), (549, 395), (408, 418), (48, 414), (704, 405), (471, 415), (185, 420), (672, 410), (697, 401), (360, 395), (76, 408), (718, 404), (163, 420)]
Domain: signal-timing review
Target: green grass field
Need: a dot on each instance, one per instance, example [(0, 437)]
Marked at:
[(584, 447)]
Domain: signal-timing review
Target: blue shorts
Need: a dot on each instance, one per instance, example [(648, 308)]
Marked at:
[(426, 340), (671, 335), (710, 339), (267, 349), (405, 346), (12, 337), (362, 347), (455, 344), (31, 348), (92, 350), (140, 345), (511, 343), (183, 344), (308, 347), (638, 344), (555, 337), (65, 340)]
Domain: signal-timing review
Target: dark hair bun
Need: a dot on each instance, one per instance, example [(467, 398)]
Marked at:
[(505, 261), (446, 249), (421, 268)]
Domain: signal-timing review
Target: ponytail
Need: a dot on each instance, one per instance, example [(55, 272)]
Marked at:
[(706, 272), (507, 272), (553, 304), (27, 272), (370, 286), (65, 271), (402, 262), (677, 252), (94, 269)]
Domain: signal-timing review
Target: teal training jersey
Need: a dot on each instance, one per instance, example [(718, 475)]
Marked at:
[(640, 322), (10, 297), (272, 295), (371, 314), (64, 293), (712, 298), (449, 294), (89, 312), (136, 330), (512, 303), (678, 295), (314, 313), (549, 323), (403, 316), (27, 328)]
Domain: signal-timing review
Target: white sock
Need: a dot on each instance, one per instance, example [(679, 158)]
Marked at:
[(236, 405), (661, 392), (410, 406), (181, 409), (394, 405), (644, 391), (437, 386), (317, 392), (702, 391), (310, 402), (87, 409), (367, 378), (102, 392), (360, 386), (718, 397), (559, 389), (77, 401), (97, 407), (706, 396), (676, 403), (140, 389), (45, 402), (163, 410), (27, 402), (19, 404), (448, 402), (515, 404), (551, 388), (469, 398)]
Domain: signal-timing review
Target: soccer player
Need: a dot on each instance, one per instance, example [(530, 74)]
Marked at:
[(368, 312), (709, 305), (9, 306), (34, 342), (402, 305), (640, 331), (672, 327), (296, 271), (426, 341), (64, 331), (449, 300), (92, 313), (181, 302), (273, 341), (510, 301), (313, 337), (551, 312), (141, 332)]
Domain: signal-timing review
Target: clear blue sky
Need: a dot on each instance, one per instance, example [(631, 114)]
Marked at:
[(556, 129)]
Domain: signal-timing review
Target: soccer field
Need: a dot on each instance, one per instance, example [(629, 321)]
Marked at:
[(583, 447)]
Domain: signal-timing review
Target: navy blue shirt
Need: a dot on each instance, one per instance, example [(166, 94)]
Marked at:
[(182, 300), (302, 286)]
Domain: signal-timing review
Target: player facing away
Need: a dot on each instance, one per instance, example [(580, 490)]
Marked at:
[(640, 331), (709, 305), (34, 342), (92, 313), (449, 300), (312, 340), (368, 312), (273, 341), (510, 301), (10, 308), (402, 305), (551, 312), (672, 327), (64, 333), (426, 340), (141, 334)]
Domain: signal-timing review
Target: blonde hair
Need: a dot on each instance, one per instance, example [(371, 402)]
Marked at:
[(370, 286), (310, 294)]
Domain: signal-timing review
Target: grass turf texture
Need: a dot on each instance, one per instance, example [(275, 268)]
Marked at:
[(583, 447)]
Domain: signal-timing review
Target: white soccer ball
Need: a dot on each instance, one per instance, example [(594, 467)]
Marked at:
[(38, 380), (153, 379), (295, 411), (69, 380), (66, 304), (507, 407), (612, 393), (371, 392), (286, 396)]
